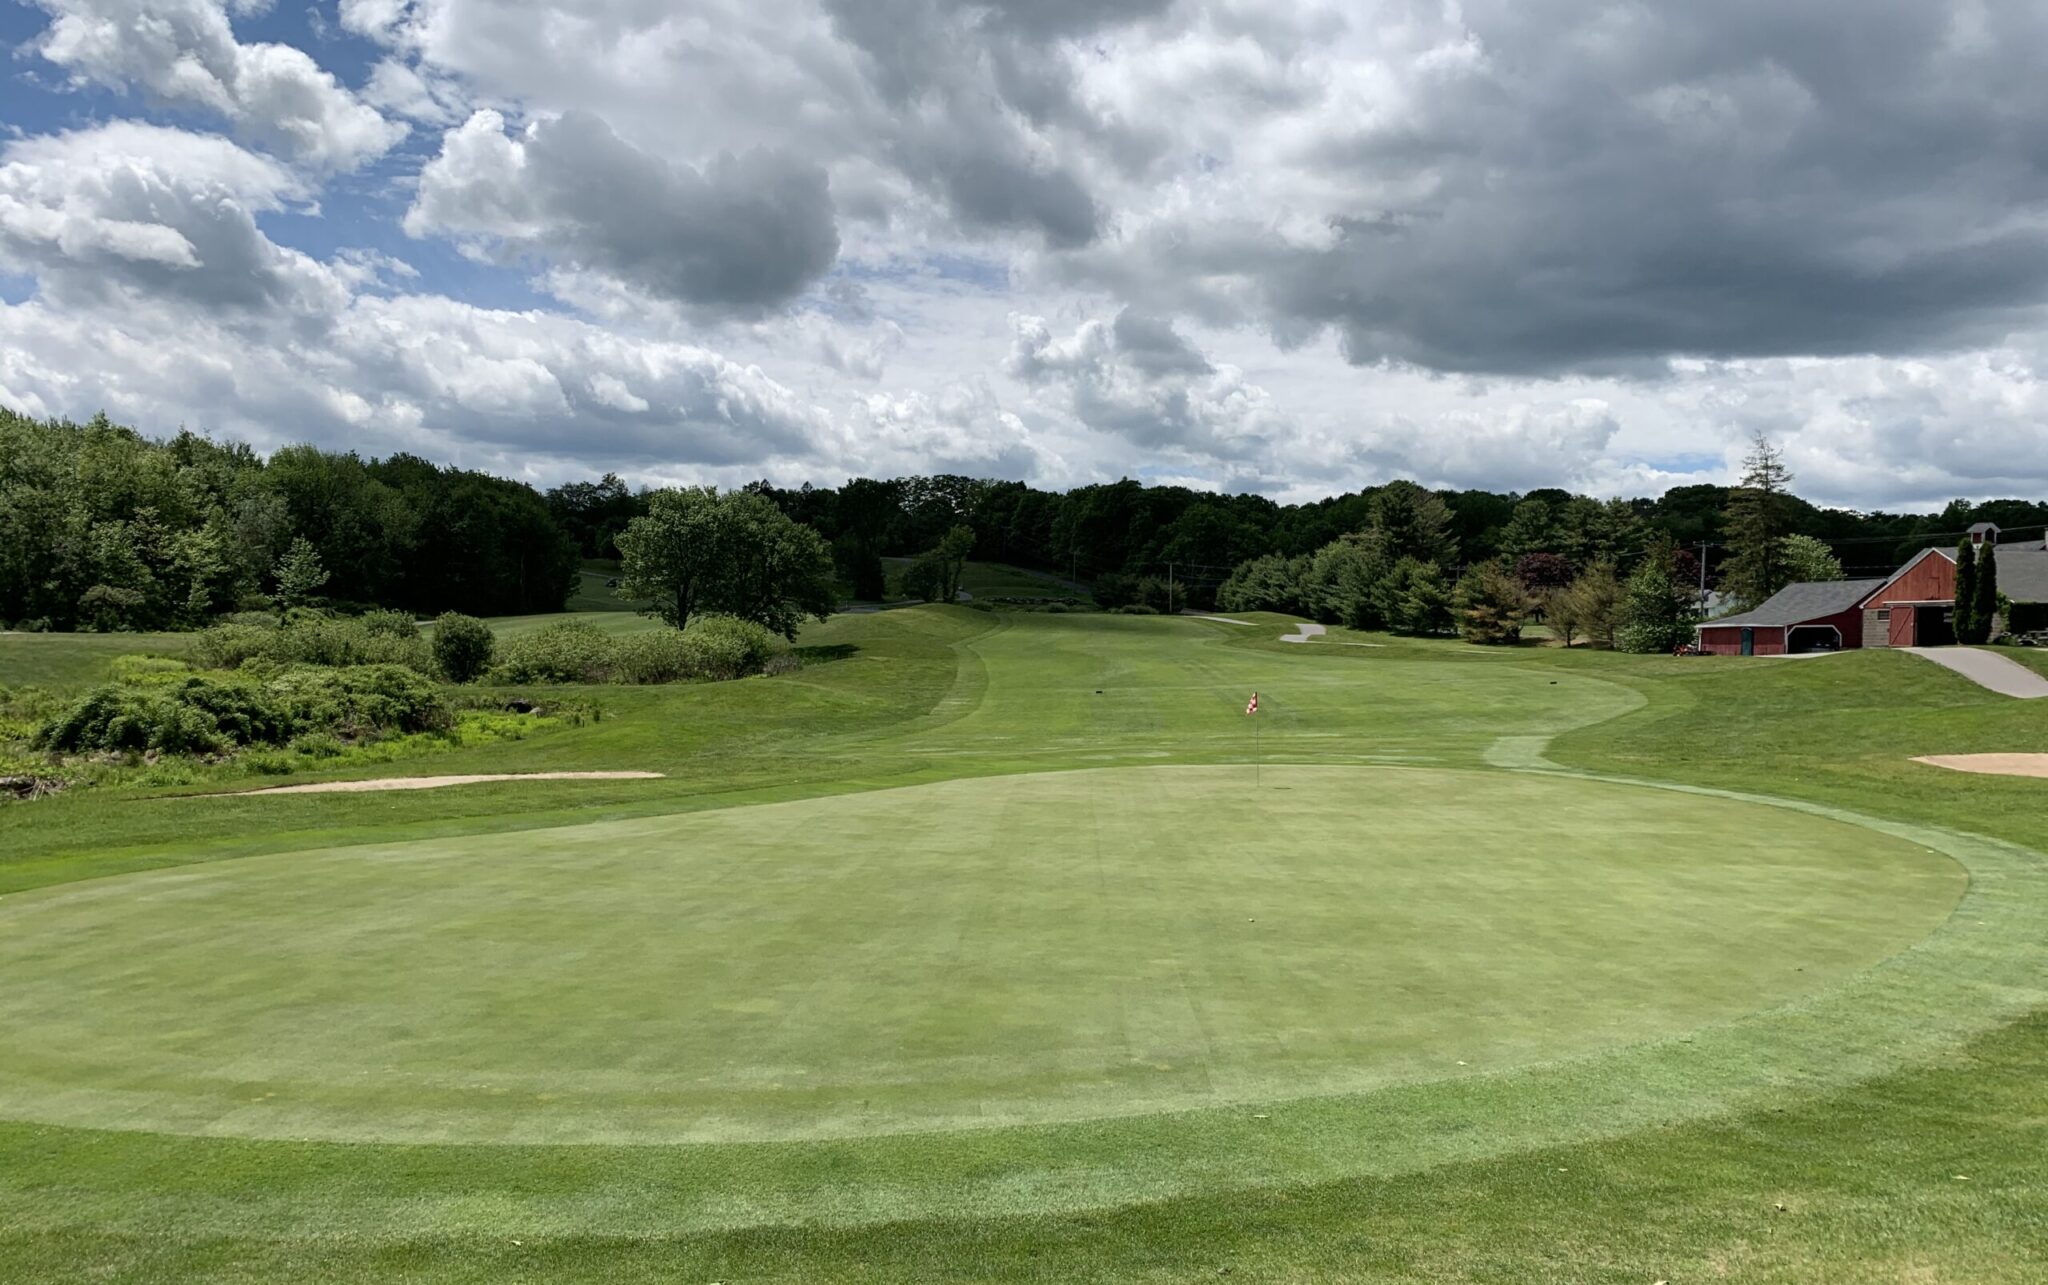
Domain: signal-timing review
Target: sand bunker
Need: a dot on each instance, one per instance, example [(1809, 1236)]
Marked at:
[(436, 782), (1995, 764)]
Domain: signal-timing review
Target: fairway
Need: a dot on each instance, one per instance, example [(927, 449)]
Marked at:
[(997, 930), (973, 953)]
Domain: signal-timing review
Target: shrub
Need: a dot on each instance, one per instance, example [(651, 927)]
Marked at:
[(568, 651), (211, 713), (390, 624), (358, 701), (712, 649), (318, 745), (732, 647), (131, 718), (1136, 609), (660, 656), (312, 640), (462, 646), (146, 669)]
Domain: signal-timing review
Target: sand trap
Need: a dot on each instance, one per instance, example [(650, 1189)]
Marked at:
[(436, 782), (1225, 620), (1994, 764), (1304, 631)]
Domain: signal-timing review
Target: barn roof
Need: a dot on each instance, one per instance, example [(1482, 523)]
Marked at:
[(2023, 573), (1796, 604)]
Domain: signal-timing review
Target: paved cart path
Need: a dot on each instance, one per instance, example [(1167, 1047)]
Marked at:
[(1987, 670)]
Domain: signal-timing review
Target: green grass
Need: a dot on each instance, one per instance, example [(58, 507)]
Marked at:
[(76, 660), (591, 593), (1000, 579), (1772, 1015)]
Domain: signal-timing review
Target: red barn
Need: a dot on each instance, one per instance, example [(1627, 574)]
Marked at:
[(1823, 615), (1916, 606)]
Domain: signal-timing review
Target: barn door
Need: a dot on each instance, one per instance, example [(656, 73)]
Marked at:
[(1748, 641)]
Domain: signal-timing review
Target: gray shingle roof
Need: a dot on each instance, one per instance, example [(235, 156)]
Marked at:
[(1798, 603), (2023, 573)]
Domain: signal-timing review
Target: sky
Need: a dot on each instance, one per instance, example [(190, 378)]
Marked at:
[(1281, 246)]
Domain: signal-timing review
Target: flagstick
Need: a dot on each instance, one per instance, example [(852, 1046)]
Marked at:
[(1256, 757)]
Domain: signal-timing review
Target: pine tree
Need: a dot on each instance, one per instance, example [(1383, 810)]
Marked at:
[(299, 575), (1759, 515), (1984, 601), (1966, 591), (1656, 610)]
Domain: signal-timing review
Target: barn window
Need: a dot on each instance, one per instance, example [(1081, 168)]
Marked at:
[(1884, 615)]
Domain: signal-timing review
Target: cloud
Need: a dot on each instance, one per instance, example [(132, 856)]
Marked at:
[(745, 233), (158, 295), (1539, 187), (184, 53), (1300, 246), (1136, 379), (132, 212)]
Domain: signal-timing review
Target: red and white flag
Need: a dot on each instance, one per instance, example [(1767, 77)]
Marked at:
[(1253, 708)]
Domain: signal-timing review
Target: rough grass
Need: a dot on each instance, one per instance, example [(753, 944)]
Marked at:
[(1846, 1139)]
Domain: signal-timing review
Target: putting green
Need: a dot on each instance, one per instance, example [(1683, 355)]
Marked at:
[(975, 952)]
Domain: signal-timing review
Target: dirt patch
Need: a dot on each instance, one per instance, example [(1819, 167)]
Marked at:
[(1994, 764), (437, 782)]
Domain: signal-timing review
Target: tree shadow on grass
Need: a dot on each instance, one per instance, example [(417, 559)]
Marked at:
[(825, 652)]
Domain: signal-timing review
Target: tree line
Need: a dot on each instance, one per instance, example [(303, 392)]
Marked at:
[(104, 528)]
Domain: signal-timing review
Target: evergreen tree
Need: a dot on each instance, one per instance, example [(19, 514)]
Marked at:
[(1491, 605), (1415, 598), (1759, 518), (1984, 599), (1656, 610), (1410, 522), (299, 576), (1966, 591)]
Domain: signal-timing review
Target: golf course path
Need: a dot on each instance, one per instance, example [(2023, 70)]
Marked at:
[(1991, 672)]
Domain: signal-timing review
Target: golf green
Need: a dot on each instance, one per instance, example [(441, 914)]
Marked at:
[(978, 952)]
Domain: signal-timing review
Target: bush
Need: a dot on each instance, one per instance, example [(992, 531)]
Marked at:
[(312, 640), (568, 651), (661, 656), (1136, 609), (146, 669), (713, 648), (390, 624), (732, 647), (358, 701), (463, 646), (212, 713)]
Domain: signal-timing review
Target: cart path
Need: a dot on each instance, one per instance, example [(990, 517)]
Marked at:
[(1988, 670)]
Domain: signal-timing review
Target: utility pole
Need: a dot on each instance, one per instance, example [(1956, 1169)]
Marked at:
[(1170, 609), (1703, 573)]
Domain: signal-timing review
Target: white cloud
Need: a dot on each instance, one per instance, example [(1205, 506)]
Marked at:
[(184, 52), (742, 234), (130, 212)]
